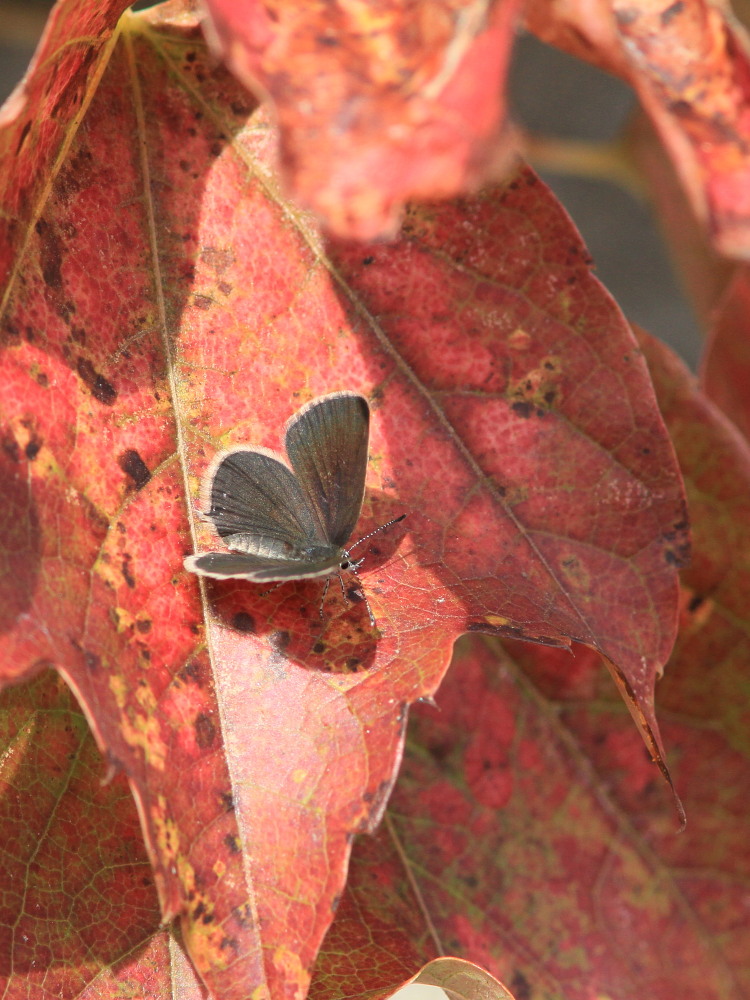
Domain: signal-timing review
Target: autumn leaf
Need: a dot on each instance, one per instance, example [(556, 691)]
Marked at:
[(527, 833), (78, 900), (376, 104), (725, 373), (687, 62), (165, 301)]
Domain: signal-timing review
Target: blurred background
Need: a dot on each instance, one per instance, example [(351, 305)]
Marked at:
[(555, 97)]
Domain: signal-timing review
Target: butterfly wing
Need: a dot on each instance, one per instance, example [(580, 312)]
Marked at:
[(222, 565), (258, 506), (327, 446)]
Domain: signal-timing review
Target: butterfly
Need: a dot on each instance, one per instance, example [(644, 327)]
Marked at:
[(283, 523)]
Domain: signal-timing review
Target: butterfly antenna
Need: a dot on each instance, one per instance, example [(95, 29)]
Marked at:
[(371, 533)]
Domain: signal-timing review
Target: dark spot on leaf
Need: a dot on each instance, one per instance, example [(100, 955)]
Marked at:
[(227, 801), (101, 389), (279, 640), (50, 255), (191, 57), (243, 622), (228, 942), (672, 11), (143, 625), (125, 570), (353, 663), (216, 148), (695, 602), (243, 914), (205, 731), (319, 647), (202, 302), (11, 333), (92, 661), (191, 671), (10, 447), (199, 910), (679, 557), (225, 288), (520, 986), (523, 408), (366, 261), (42, 379), (207, 918), (681, 109), (33, 448), (78, 334), (232, 843), (133, 465)]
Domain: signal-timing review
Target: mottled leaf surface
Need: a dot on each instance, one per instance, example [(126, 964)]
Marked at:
[(527, 833)]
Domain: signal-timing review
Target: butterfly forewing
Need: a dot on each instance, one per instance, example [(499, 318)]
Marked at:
[(258, 505), (327, 447)]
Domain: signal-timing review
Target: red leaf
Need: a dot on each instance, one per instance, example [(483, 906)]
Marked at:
[(376, 104), (526, 832), (688, 64), (35, 120), (168, 303), (726, 365), (78, 898)]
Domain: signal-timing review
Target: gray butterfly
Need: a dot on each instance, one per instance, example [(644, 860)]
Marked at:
[(292, 524)]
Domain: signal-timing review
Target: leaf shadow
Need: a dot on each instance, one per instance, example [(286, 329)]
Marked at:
[(343, 640)]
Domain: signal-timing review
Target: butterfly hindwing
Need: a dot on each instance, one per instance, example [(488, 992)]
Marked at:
[(223, 565)]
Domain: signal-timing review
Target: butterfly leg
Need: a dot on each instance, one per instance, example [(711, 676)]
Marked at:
[(275, 587), (353, 568), (322, 600)]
